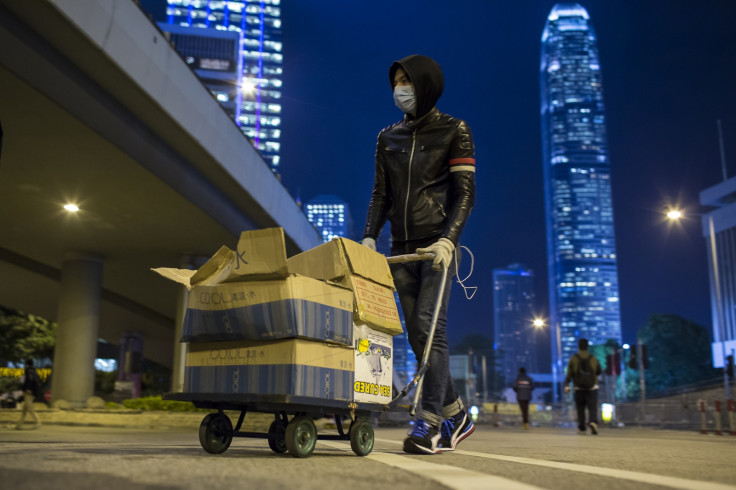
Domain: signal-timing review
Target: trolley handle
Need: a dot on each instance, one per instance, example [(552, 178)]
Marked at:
[(401, 259)]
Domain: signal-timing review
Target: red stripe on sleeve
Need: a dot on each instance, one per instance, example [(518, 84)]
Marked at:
[(460, 161)]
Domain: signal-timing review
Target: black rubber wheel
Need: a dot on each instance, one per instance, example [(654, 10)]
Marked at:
[(301, 436), (215, 433), (361, 437), (277, 436)]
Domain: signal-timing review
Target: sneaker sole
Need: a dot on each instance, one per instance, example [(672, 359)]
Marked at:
[(462, 436), (413, 448)]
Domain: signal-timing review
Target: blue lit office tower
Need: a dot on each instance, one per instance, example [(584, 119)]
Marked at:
[(330, 215), (235, 48), (583, 275), (513, 313)]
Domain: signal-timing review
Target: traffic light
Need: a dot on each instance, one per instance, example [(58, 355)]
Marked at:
[(632, 358), (609, 365), (613, 364), (644, 357), (729, 366)]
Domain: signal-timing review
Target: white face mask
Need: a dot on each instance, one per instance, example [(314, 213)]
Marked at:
[(405, 99)]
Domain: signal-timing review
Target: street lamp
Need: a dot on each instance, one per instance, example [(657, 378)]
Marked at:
[(675, 215)]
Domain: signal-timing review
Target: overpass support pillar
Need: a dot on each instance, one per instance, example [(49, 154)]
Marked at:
[(73, 378), (180, 348)]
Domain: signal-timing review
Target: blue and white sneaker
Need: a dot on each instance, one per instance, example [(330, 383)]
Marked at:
[(423, 439), (455, 429)]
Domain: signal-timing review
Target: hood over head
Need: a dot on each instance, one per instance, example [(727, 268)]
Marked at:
[(426, 76)]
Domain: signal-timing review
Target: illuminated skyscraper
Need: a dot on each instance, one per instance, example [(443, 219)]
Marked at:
[(235, 48), (513, 313), (330, 215), (583, 274)]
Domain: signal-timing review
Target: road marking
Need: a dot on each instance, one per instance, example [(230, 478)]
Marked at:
[(653, 479), (667, 481), (449, 476)]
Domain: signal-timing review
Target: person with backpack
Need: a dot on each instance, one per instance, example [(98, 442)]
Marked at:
[(31, 387), (583, 370)]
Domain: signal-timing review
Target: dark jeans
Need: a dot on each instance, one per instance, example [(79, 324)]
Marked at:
[(418, 285), (524, 406), (586, 399)]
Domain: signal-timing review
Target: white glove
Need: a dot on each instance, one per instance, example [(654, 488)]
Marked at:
[(443, 251), (370, 243)]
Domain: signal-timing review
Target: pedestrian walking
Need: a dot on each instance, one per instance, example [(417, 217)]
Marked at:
[(31, 387), (425, 186), (523, 386), (583, 370)]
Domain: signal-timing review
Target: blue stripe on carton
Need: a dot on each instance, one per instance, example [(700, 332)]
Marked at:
[(267, 321), (271, 379)]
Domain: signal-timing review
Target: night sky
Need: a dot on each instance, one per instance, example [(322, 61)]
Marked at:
[(669, 73)]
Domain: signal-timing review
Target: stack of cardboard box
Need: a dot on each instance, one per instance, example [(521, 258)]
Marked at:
[(319, 324)]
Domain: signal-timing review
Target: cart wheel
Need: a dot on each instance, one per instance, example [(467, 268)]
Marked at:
[(277, 436), (301, 436), (215, 433), (361, 437)]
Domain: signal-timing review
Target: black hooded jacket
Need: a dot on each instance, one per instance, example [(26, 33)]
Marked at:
[(425, 167)]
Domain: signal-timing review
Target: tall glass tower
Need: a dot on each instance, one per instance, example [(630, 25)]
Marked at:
[(248, 83), (513, 313), (583, 273)]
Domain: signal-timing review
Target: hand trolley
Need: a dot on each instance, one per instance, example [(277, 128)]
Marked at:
[(298, 434)]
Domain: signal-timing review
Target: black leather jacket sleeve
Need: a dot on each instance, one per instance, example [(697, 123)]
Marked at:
[(462, 186), (380, 200)]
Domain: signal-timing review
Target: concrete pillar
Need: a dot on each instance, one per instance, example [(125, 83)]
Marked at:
[(180, 348), (78, 321)]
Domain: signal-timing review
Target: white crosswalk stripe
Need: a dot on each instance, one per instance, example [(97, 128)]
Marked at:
[(447, 475), (649, 478)]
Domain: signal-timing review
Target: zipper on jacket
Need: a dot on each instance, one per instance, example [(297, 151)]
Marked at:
[(408, 186)]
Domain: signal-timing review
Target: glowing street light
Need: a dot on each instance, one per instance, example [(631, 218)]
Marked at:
[(248, 87), (72, 208), (538, 322), (674, 214)]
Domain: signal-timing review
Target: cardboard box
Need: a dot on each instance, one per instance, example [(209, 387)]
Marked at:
[(373, 365), (295, 367), (261, 254), (295, 306), (365, 272)]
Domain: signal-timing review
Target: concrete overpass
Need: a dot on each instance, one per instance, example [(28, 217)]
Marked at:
[(96, 108)]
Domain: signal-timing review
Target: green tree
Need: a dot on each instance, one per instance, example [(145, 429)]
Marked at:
[(24, 336), (679, 353), (601, 352)]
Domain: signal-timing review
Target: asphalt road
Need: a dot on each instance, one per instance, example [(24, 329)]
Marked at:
[(492, 458)]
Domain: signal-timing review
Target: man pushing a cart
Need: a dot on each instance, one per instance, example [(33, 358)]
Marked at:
[(425, 186)]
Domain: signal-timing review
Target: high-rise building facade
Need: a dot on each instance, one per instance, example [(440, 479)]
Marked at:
[(515, 337), (719, 230), (235, 48), (330, 215), (582, 262)]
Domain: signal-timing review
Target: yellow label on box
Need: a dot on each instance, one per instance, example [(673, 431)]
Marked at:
[(376, 305)]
